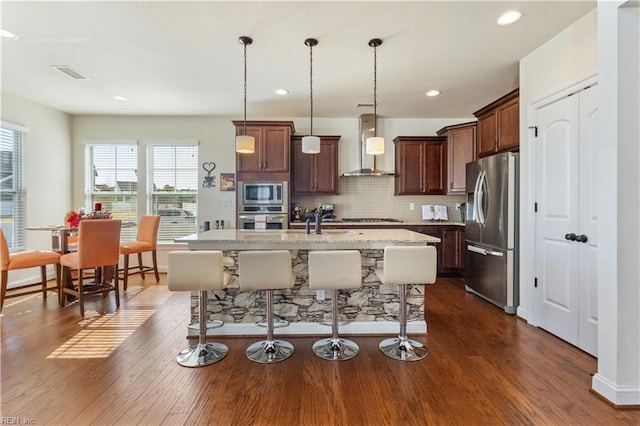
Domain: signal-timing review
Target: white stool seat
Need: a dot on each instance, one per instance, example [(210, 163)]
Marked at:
[(198, 271), (333, 270), (402, 266), (267, 270)]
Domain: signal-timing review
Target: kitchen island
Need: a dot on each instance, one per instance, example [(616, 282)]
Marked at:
[(366, 307)]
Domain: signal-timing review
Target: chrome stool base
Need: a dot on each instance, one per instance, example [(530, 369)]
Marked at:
[(403, 349), (335, 349), (202, 354), (210, 325), (269, 351)]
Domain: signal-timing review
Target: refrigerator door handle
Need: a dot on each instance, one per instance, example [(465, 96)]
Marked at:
[(475, 198), (481, 180), (484, 252)]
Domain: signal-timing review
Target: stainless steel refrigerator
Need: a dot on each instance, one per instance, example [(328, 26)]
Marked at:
[(491, 229)]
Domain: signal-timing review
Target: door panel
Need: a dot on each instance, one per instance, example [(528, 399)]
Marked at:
[(557, 176), (588, 328), (496, 199), (566, 194)]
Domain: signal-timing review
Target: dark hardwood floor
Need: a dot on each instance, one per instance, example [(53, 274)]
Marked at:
[(484, 368)]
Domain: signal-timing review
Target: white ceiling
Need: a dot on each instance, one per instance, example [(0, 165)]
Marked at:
[(183, 58)]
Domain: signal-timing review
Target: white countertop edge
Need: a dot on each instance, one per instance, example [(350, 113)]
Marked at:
[(383, 224), (314, 329)]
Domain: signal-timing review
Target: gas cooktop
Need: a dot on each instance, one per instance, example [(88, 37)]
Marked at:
[(368, 219)]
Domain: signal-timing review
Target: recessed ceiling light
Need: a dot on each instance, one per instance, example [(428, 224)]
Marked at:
[(7, 34), (281, 92), (509, 17), (120, 98), (433, 93)]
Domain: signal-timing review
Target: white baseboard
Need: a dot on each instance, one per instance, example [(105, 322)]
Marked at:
[(315, 329), (618, 395)]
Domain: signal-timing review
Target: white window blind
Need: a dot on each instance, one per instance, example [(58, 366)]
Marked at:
[(12, 188), (173, 189), (111, 175)]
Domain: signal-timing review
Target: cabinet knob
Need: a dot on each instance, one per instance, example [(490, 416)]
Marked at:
[(570, 237), (582, 238)]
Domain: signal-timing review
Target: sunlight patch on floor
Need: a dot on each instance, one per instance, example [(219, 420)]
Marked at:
[(150, 296), (105, 334)]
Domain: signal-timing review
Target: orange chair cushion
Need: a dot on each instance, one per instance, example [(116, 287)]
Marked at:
[(30, 259), (135, 247)]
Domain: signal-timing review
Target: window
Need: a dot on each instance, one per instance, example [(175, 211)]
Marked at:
[(12, 186), (173, 189), (111, 175), (166, 173)]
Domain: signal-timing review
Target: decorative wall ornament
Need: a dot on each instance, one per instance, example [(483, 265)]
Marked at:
[(227, 181), (209, 181)]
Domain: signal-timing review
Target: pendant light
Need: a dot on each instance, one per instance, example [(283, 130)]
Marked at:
[(375, 145), (245, 144), (311, 144)]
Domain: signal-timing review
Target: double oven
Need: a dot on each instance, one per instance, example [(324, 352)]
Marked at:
[(263, 205)]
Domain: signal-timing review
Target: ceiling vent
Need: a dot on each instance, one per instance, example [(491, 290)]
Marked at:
[(70, 72)]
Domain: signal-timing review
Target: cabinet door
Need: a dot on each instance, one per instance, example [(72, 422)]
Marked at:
[(453, 256), (410, 162), (250, 162), (461, 149), (487, 134), (435, 168), (325, 170), (275, 149), (302, 176), (508, 126)]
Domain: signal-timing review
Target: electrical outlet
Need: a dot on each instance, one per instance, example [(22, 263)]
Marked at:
[(458, 206), (226, 201), (320, 295), (412, 206)]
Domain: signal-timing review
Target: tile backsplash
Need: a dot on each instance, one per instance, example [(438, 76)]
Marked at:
[(372, 196)]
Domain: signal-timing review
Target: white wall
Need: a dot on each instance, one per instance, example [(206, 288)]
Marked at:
[(48, 169), (569, 57), (618, 376)]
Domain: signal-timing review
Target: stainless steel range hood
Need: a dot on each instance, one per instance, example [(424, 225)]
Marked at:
[(367, 162)]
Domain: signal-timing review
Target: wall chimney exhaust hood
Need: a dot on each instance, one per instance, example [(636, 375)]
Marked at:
[(367, 162)]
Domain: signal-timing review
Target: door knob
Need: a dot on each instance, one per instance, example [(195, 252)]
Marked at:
[(570, 237), (582, 238)]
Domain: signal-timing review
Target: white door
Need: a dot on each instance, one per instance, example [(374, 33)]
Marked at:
[(565, 188)]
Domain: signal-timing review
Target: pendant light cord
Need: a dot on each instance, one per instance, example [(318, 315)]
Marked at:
[(375, 90), (245, 90), (311, 84)]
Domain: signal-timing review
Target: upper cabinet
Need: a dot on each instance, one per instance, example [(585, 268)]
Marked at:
[(421, 165), (315, 173), (461, 149), (271, 158), (498, 125)]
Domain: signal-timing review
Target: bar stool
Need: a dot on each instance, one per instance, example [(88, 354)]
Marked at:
[(198, 271), (266, 270), (333, 270), (402, 266)]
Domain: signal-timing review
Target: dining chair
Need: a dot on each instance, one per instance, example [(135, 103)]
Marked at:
[(98, 247), (24, 260), (146, 241)]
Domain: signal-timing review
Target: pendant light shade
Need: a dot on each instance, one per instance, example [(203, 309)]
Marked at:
[(311, 144), (375, 145), (245, 144)]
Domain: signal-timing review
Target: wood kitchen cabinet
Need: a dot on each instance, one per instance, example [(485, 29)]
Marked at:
[(461, 149), (315, 173), (499, 125), (421, 165), (453, 249), (271, 159)]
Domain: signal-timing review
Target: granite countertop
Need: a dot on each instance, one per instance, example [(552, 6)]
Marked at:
[(234, 239), (377, 223)]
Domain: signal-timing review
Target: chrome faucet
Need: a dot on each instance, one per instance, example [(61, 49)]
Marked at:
[(318, 222)]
